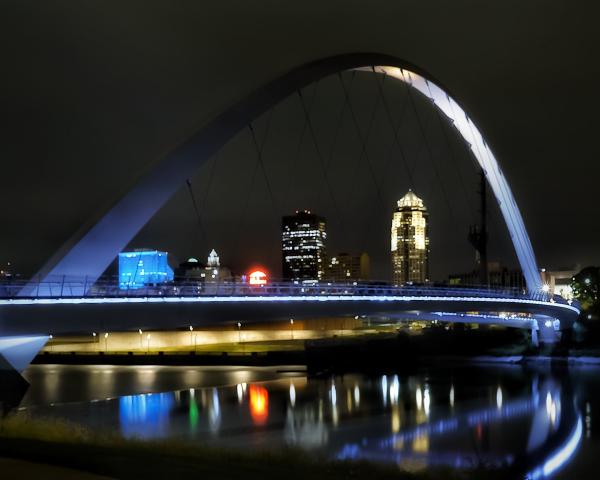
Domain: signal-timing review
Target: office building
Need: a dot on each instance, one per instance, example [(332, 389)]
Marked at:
[(346, 267), (410, 241), (303, 238), (211, 272), (141, 268)]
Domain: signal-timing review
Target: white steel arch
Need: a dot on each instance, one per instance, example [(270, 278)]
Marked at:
[(486, 159), (95, 245)]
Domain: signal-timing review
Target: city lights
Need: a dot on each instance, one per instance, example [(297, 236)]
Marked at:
[(257, 278)]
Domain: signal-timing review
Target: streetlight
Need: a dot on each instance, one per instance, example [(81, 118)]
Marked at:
[(106, 342), (141, 338), (292, 327), (191, 334), (239, 325), (50, 342)]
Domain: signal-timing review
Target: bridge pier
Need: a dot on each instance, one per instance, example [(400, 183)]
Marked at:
[(534, 336), (545, 330), (16, 352)]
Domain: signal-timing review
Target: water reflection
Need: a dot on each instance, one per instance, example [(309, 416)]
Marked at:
[(259, 404), (525, 422), (214, 411), (146, 415)]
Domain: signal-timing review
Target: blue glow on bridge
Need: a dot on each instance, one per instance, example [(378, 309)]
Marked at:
[(283, 298)]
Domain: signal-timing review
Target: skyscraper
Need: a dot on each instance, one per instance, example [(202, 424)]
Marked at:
[(303, 237), (410, 241)]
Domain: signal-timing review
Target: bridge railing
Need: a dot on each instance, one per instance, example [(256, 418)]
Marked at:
[(109, 287)]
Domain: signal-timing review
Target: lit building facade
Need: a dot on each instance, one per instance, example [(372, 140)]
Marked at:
[(212, 272), (558, 282), (410, 241), (346, 267), (303, 239), (141, 268)]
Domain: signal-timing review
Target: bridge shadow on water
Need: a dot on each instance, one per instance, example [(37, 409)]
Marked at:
[(404, 351)]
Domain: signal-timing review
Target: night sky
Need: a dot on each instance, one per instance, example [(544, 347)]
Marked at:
[(93, 92)]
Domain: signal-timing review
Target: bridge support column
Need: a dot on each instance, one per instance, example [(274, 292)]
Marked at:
[(545, 330), (15, 355), (534, 335)]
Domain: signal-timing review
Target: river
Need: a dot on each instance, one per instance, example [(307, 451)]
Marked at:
[(462, 416)]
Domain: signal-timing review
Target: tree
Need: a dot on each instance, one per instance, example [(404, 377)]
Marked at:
[(586, 289)]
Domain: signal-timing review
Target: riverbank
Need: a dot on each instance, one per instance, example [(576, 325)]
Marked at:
[(339, 354), (60, 444)]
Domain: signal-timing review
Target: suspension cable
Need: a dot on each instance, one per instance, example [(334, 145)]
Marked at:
[(453, 157), (364, 139), (428, 147), (320, 157), (203, 237), (213, 169), (396, 129), (336, 132), (296, 157), (244, 211), (259, 157)]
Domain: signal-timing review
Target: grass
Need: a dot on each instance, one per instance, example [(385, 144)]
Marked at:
[(57, 442)]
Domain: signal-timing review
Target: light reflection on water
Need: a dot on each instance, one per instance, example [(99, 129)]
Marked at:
[(503, 417), (146, 415)]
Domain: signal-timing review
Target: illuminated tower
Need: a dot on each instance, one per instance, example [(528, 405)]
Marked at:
[(410, 241), (303, 237)]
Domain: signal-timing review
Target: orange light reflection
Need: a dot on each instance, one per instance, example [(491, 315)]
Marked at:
[(259, 404)]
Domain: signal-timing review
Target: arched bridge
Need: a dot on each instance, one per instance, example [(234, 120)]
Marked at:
[(56, 300), (107, 308)]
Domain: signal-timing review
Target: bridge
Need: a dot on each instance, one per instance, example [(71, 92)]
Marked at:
[(53, 309), (68, 293)]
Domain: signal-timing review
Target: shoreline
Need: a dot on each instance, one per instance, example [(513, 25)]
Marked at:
[(271, 359)]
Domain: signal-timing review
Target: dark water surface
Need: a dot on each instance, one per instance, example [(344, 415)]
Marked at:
[(539, 419)]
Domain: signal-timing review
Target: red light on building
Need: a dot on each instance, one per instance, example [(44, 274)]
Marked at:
[(259, 404), (257, 277)]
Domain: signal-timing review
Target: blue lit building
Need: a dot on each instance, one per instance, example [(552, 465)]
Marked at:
[(140, 268)]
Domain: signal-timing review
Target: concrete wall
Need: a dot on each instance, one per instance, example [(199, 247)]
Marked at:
[(158, 340)]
